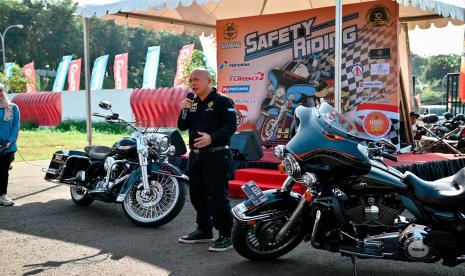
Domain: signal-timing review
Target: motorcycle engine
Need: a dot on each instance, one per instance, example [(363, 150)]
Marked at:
[(383, 209), (411, 242)]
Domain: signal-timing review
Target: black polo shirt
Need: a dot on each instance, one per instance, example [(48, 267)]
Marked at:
[(215, 115)]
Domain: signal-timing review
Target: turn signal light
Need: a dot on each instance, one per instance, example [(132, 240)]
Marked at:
[(308, 196), (281, 169)]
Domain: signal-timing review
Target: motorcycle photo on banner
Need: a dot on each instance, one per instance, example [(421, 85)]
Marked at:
[(134, 172), (274, 63)]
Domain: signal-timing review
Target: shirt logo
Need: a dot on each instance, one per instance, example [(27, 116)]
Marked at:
[(194, 107), (210, 106)]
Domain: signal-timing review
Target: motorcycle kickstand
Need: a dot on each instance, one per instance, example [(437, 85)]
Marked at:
[(354, 265)]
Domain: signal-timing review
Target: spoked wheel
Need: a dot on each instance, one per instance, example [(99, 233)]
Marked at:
[(257, 242), (79, 196), (268, 128), (158, 206)]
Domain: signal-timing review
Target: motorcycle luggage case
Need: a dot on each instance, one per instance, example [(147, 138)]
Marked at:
[(65, 164)]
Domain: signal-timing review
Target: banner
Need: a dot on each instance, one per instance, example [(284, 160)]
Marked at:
[(184, 59), (271, 64), (74, 75), (151, 67), (462, 74), (62, 71), (30, 72), (209, 51), (120, 71), (98, 72), (8, 67)]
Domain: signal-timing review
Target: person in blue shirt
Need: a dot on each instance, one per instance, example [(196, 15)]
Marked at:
[(9, 128)]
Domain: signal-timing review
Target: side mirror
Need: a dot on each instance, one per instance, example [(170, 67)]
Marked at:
[(105, 105), (387, 144)]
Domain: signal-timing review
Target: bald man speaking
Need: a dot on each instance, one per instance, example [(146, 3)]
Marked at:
[(211, 121)]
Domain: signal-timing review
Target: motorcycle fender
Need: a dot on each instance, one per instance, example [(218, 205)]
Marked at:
[(154, 168), (246, 212)]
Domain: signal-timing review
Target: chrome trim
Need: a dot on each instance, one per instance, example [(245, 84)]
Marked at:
[(291, 165), (241, 217)]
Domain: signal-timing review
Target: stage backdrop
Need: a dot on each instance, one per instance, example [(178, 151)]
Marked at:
[(271, 64)]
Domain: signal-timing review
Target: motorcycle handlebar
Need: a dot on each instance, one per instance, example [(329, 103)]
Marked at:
[(389, 156)]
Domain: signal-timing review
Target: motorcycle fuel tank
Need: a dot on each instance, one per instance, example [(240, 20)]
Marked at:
[(382, 178), (126, 146)]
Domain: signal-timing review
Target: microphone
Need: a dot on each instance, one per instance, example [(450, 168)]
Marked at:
[(189, 96)]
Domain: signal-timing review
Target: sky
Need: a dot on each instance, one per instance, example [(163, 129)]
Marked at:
[(436, 41)]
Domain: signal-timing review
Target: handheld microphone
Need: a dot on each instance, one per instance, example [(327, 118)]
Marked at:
[(189, 96)]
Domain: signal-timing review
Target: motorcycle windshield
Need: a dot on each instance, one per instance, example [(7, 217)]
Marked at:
[(326, 141), (332, 119)]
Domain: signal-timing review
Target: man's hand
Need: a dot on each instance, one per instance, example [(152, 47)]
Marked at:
[(203, 141), (186, 103)]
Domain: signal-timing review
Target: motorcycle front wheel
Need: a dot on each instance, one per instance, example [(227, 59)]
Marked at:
[(268, 129), (158, 206), (257, 242)]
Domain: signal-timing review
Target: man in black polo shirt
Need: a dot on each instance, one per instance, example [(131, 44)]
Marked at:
[(211, 120)]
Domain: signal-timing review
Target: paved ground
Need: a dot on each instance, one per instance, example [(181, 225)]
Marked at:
[(45, 233)]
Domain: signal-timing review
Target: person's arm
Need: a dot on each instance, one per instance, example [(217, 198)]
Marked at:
[(229, 122), (183, 124), (15, 128)]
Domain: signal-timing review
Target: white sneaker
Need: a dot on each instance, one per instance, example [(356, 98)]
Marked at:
[(6, 201)]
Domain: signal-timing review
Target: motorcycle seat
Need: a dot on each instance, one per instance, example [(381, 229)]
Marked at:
[(444, 191), (97, 152)]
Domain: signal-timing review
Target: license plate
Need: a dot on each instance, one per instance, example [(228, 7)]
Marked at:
[(254, 193)]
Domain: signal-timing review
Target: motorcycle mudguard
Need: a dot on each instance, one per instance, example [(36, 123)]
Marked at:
[(247, 212), (154, 168)]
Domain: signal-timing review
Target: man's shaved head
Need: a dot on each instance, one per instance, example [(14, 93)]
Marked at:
[(202, 71), (200, 81)]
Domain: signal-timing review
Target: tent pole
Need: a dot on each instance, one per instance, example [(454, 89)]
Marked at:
[(337, 56), (86, 27)]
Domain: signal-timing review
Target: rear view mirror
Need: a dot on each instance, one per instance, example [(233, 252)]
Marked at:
[(105, 105)]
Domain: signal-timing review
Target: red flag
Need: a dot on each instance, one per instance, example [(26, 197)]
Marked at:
[(462, 74), (120, 71), (30, 72), (74, 75), (184, 58)]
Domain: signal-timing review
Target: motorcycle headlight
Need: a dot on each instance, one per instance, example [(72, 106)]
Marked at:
[(291, 166), (171, 150), (164, 145), (270, 87), (280, 92), (278, 151)]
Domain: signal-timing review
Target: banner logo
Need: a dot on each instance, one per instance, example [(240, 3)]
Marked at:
[(255, 77), (377, 124), (357, 69), (230, 31), (378, 16), (235, 89)]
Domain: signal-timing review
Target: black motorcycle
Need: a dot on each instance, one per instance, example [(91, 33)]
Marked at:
[(134, 172), (353, 203)]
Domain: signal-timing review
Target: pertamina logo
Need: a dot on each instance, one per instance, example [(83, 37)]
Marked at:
[(234, 66), (230, 31), (235, 89), (255, 77), (377, 124)]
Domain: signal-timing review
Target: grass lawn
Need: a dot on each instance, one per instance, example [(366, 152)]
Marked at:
[(41, 144)]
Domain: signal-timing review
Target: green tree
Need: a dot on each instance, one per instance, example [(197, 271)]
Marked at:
[(439, 66), (17, 83)]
